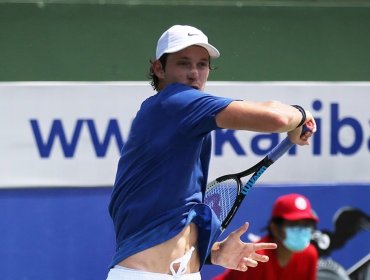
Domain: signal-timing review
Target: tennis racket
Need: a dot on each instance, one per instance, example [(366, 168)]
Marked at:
[(225, 194)]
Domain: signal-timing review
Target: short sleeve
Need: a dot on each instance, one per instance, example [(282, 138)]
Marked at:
[(193, 109)]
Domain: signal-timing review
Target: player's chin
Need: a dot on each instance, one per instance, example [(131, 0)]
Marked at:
[(196, 86)]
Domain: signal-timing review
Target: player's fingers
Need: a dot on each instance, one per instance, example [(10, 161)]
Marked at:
[(310, 122), (305, 137), (259, 257), (250, 262), (242, 267), (240, 231), (263, 246)]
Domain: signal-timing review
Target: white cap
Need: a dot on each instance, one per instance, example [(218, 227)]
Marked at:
[(179, 37)]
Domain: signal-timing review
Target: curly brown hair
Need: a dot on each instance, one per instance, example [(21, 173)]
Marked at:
[(151, 76)]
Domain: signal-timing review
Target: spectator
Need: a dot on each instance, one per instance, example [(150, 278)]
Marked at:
[(291, 226)]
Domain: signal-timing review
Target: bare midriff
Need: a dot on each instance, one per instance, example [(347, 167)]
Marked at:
[(158, 258)]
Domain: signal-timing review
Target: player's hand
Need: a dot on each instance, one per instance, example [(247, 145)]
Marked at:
[(235, 254), (301, 136)]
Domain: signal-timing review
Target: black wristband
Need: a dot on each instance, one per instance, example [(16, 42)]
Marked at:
[(303, 112), (208, 259)]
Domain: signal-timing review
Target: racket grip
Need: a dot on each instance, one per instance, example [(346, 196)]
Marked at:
[(280, 149), (285, 145)]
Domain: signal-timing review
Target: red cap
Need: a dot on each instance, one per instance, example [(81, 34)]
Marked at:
[(293, 207)]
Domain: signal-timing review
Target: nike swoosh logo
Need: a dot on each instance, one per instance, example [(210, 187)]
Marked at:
[(192, 34)]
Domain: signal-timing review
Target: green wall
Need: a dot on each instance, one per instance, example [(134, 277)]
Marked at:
[(92, 42)]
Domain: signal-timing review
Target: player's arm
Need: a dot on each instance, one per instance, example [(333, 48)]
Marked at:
[(271, 116)]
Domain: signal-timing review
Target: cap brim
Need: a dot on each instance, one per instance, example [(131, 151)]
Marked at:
[(302, 216), (213, 52)]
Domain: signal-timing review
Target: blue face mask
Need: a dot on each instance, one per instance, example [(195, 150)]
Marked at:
[(297, 238)]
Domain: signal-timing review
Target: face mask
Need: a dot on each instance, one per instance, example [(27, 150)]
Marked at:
[(297, 238)]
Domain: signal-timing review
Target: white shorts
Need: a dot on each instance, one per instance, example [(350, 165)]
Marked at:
[(123, 273)]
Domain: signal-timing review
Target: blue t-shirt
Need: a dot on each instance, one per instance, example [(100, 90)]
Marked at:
[(162, 172)]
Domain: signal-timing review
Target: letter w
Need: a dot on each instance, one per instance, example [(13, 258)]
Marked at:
[(112, 130), (57, 130)]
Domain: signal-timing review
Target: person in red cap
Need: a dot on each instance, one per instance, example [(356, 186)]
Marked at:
[(291, 225)]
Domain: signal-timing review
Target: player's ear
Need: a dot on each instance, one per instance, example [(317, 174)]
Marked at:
[(158, 69)]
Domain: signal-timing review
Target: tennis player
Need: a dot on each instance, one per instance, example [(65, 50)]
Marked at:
[(163, 230)]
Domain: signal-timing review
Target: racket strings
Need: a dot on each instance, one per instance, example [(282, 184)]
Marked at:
[(221, 197)]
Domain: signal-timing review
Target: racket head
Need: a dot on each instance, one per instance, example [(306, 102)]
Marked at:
[(224, 196)]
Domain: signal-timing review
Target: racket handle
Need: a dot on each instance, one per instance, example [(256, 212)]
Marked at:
[(280, 149), (285, 145)]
